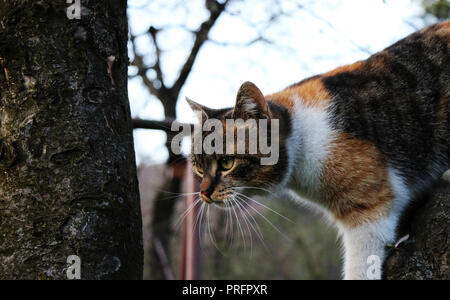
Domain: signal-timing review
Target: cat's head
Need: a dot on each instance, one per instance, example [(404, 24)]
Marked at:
[(225, 172)]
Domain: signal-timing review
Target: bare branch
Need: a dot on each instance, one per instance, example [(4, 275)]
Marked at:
[(244, 44), (138, 62), (331, 26), (157, 66), (201, 36), (164, 125)]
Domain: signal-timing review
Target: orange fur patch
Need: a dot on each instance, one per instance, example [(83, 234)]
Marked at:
[(444, 29), (348, 68), (355, 182), (312, 93), (283, 98), (441, 30)]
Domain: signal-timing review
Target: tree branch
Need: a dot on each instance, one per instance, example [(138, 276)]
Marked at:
[(165, 125), (201, 36), (138, 62), (157, 66), (424, 255), (331, 26), (244, 44)]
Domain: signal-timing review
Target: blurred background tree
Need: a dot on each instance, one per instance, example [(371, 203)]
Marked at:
[(205, 49), (438, 8)]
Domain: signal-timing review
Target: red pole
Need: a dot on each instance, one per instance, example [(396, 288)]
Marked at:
[(190, 264)]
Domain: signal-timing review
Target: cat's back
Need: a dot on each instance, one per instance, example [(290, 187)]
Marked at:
[(399, 100)]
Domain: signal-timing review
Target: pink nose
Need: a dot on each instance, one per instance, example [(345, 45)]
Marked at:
[(206, 187)]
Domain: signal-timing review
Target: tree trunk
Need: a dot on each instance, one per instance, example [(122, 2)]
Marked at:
[(67, 169), (426, 254)]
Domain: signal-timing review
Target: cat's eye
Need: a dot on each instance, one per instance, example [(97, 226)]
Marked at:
[(226, 163), (199, 169)]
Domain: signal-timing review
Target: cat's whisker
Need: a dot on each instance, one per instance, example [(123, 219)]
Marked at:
[(208, 216), (270, 223), (257, 230), (239, 226), (229, 214), (186, 212), (201, 213), (231, 225), (209, 226), (265, 206), (197, 218), (251, 220), (176, 195), (246, 223), (227, 224)]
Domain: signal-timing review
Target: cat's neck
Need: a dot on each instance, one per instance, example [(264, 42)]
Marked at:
[(308, 93), (309, 142)]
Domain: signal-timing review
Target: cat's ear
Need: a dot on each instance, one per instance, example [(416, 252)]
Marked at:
[(202, 112), (250, 103)]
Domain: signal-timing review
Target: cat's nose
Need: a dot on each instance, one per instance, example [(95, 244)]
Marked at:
[(207, 192), (205, 197), (206, 189)]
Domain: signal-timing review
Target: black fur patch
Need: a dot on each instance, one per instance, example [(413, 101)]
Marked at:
[(399, 101)]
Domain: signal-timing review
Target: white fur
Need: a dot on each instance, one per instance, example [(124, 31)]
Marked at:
[(402, 194), (308, 147), (362, 243), (371, 239)]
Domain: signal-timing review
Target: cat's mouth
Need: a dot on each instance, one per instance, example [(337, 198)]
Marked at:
[(208, 200), (219, 202)]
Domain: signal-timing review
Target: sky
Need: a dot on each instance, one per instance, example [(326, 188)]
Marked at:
[(313, 37)]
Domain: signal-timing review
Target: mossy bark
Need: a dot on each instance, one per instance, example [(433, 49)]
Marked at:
[(426, 254), (67, 169)]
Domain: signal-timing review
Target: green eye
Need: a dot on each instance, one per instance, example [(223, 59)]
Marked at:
[(226, 163), (199, 169)]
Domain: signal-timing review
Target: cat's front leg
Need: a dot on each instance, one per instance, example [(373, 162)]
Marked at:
[(365, 249)]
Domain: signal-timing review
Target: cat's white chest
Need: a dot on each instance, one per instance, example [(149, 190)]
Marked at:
[(308, 148)]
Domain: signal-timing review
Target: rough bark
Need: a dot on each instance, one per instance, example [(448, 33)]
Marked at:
[(426, 254), (67, 170)]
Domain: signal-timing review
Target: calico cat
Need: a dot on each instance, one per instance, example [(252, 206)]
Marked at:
[(359, 142)]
